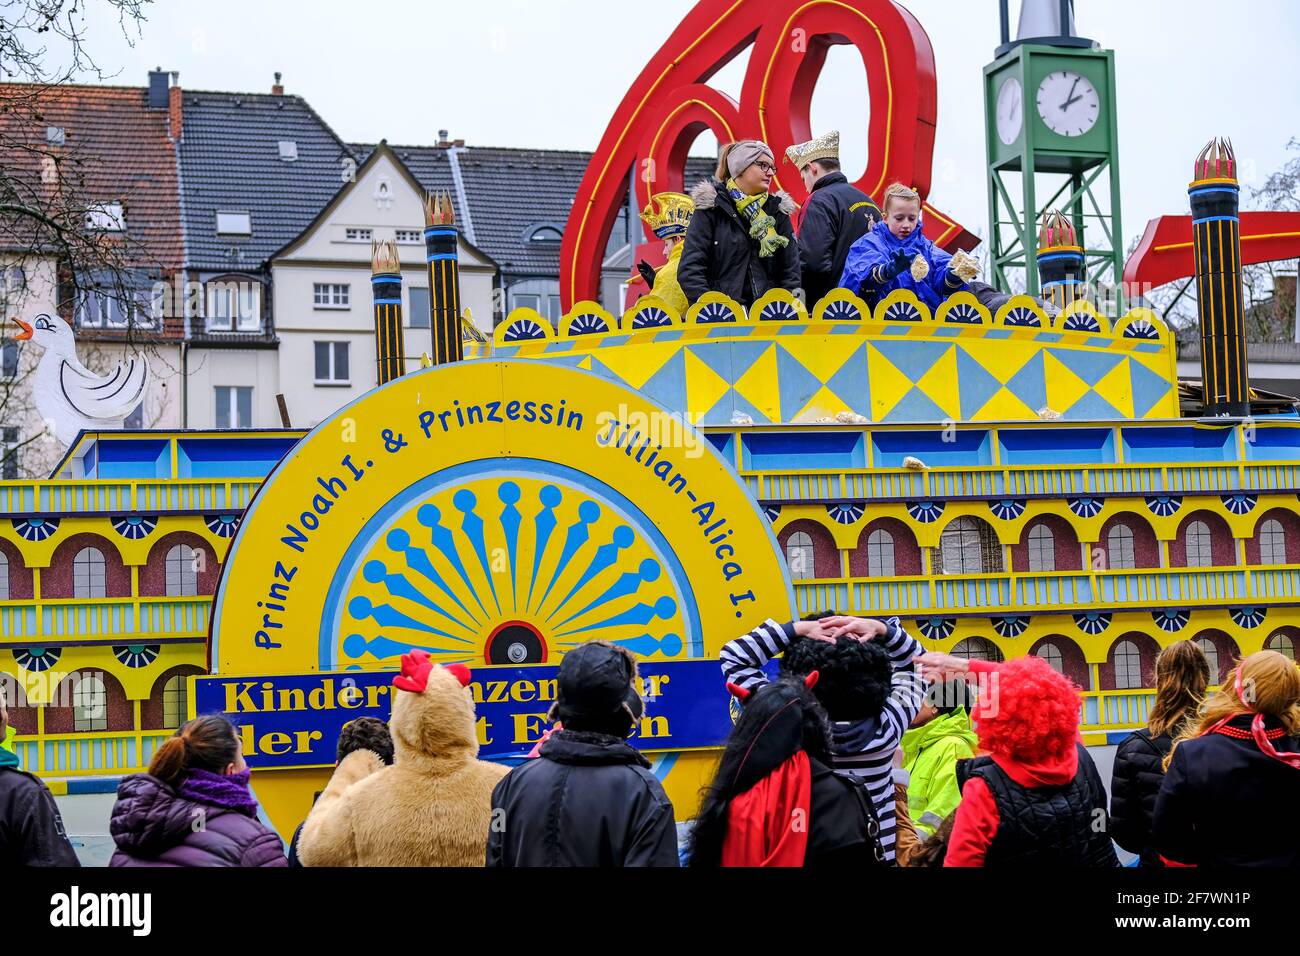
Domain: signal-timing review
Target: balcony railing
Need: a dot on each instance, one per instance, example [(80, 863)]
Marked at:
[(89, 754), (1061, 590), (947, 483), (133, 618), (88, 497)]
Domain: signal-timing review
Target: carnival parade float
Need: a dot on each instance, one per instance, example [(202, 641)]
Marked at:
[(1030, 481)]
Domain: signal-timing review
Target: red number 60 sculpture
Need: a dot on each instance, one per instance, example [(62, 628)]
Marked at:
[(670, 104)]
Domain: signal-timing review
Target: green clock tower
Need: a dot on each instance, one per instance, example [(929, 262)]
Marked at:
[(1052, 144)]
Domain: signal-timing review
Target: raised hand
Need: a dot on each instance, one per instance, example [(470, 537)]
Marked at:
[(936, 666), (862, 628), (815, 630)]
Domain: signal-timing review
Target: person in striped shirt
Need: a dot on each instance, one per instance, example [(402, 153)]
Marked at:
[(868, 685)]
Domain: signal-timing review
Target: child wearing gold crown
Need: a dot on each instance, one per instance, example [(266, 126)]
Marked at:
[(667, 215)]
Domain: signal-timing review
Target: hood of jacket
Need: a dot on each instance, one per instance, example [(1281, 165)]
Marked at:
[(1041, 772), (581, 748), (8, 755), (709, 192), (434, 726), (150, 817), (957, 724)]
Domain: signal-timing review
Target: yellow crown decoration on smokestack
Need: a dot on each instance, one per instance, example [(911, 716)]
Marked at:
[(383, 258), (1216, 161), (1062, 269), (438, 210)]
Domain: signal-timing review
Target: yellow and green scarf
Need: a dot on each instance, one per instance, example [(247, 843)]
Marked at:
[(762, 227)]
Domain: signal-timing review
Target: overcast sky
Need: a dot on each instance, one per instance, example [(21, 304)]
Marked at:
[(549, 73)]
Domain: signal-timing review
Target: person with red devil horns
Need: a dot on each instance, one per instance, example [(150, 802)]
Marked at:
[(774, 800)]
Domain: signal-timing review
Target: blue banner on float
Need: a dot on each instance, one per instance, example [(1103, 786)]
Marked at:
[(294, 720)]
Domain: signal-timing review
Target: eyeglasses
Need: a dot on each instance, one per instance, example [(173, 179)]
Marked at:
[(768, 168)]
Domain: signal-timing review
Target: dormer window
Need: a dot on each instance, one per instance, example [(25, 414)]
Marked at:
[(234, 224), (55, 136), (288, 150), (544, 232), (106, 217)]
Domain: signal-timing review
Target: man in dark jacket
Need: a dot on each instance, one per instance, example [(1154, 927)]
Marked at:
[(836, 215), (31, 830), (588, 799), (721, 255)]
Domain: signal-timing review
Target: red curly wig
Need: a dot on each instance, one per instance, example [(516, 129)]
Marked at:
[(1027, 711)]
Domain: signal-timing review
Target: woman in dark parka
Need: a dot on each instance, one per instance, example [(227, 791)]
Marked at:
[(1182, 674), (194, 806), (740, 241)]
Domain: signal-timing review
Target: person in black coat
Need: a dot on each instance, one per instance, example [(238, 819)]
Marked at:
[(1232, 782), (31, 829), (740, 241), (836, 215), (589, 798), (1182, 675)]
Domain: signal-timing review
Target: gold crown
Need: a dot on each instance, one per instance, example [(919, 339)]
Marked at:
[(437, 210), (668, 214), (383, 258), (823, 147), (1055, 230), (1216, 161)]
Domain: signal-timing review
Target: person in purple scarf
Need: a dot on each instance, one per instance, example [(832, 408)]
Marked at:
[(193, 807)]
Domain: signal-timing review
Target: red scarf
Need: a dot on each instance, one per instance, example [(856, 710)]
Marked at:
[(767, 825), (1263, 739)]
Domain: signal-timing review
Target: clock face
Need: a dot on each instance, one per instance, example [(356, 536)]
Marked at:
[(1068, 103), (1010, 111)]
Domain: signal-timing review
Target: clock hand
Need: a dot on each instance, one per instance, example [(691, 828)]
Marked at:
[(1070, 102), (1070, 97)]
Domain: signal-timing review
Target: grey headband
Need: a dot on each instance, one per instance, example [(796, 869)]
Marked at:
[(744, 154)]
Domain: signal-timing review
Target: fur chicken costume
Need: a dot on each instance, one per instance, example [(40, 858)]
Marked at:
[(432, 807)]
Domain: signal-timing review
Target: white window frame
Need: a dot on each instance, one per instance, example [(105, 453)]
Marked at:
[(1211, 655), (89, 575), (288, 150), (358, 234), (1199, 542), (4, 577), (1041, 549), (9, 357), (409, 236), (1128, 666), (1272, 542), (800, 553), (233, 306), (977, 649), (1120, 538), (963, 546), (233, 396), (176, 694), (333, 346), (1049, 652), (1282, 643), (182, 575), (881, 554), (232, 222), (105, 217), (331, 295)]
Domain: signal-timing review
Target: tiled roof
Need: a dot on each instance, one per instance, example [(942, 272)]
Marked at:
[(230, 161), (509, 192), (119, 148)]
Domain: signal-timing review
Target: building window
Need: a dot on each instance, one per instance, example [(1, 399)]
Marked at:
[(799, 555), (969, 546), (1281, 643), (89, 576), (1119, 547), (106, 217), (135, 420), (327, 295), (880, 554), (410, 235), (4, 577), (9, 453), (234, 406), (1128, 666), (1272, 542), (234, 307), (977, 649), (176, 702), (1211, 655), (1052, 654), (358, 235), (288, 150), (332, 363), (89, 704), (1199, 552), (419, 311), (545, 234), (234, 224), (528, 301), (9, 360), (117, 309), (1042, 549), (182, 572)]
